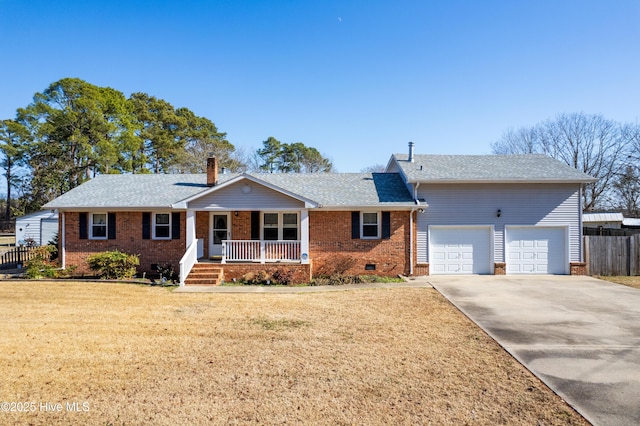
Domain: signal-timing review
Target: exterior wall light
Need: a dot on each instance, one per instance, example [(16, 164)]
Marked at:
[(499, 213)]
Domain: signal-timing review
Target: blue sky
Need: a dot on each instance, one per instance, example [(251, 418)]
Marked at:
[(355, 79)]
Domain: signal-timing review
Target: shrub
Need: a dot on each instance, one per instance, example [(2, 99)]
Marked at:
[(167, 273), (260, 278), (338, 279), (41, 265), (53, 243), (283, 276), (114, 264)]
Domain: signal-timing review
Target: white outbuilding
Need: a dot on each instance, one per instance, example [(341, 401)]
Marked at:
[(39, 227)]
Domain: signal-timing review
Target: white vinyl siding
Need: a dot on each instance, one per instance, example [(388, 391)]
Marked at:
[(40, 227), (246, 196), (519, 204)]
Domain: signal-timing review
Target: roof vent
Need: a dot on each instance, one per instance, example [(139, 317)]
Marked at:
[(411, 152)]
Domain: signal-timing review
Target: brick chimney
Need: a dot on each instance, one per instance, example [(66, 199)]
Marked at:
[(212, 171)]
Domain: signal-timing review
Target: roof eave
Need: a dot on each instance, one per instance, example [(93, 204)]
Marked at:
[(183, 204), (381, 206), (454, 181)]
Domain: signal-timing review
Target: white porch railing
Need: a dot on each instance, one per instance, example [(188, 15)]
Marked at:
[(190, 258), (260, 251)]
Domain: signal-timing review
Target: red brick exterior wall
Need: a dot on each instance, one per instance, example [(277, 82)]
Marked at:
[(421, 269), (330, 245), (330, 242), (301, 273), (499, 268), (241, 226), (128, 239), (578, 268)]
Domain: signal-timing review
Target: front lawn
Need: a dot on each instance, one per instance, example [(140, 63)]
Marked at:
[(628, 281), (130, 354)]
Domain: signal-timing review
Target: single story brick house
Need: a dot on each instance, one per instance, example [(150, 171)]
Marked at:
[(426, 214)]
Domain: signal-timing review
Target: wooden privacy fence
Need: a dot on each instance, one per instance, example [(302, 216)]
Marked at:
[(609, 255), (15, 257)]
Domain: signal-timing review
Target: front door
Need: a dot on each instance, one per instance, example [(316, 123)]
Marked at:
[(219, 230)]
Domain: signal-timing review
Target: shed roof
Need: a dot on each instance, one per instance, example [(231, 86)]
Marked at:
[(602, 217), (631, 221), (532, 168)]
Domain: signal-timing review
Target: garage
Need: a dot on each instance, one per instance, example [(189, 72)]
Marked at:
[(460, 250), (536, 250)]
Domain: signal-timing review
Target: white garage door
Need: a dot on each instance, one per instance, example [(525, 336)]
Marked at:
[(536, 250), (460, 250), (48, 230)]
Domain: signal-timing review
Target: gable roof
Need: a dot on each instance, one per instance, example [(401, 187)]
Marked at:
[(328, 190), (522, 168), (345, 189)]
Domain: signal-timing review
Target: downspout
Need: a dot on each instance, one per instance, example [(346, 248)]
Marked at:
[(63, 252), (582, 257), (411, 227), (411, 241)]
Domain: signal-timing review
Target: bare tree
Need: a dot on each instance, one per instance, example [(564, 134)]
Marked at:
[(589, 143), (525, 140), (627, 192), (376, 168)]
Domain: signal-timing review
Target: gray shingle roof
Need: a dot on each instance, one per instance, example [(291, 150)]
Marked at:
[(161, 191), (488, 168), (344, 189), (131, 191)]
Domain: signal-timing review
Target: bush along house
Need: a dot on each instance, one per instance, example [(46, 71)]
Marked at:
[(426, 214)]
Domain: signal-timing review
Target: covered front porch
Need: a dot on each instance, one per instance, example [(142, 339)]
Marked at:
[(244, 241), (245, 220)]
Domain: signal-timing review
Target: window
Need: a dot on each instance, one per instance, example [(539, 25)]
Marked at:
[(162, 226), (98, 226), (270, 226), (290, 226), (370, 228), (280, 226)]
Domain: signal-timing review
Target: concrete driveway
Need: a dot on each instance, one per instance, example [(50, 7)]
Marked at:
[(579, 335)]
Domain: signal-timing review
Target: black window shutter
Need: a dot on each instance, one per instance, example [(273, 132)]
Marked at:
[(111, 226), (146, 226), (386, 225), (355, 225), (175, 225), (82, 219), (255, 225)]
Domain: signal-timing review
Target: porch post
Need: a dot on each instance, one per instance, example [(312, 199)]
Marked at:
[(304, 236), (191, 227)]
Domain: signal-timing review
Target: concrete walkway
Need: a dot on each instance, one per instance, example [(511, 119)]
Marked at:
[(579, 335)]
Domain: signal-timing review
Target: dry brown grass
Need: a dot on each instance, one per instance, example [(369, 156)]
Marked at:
[(142, 355), (628, 281)]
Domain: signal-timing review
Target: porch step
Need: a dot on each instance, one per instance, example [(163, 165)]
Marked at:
[(205, 274)]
